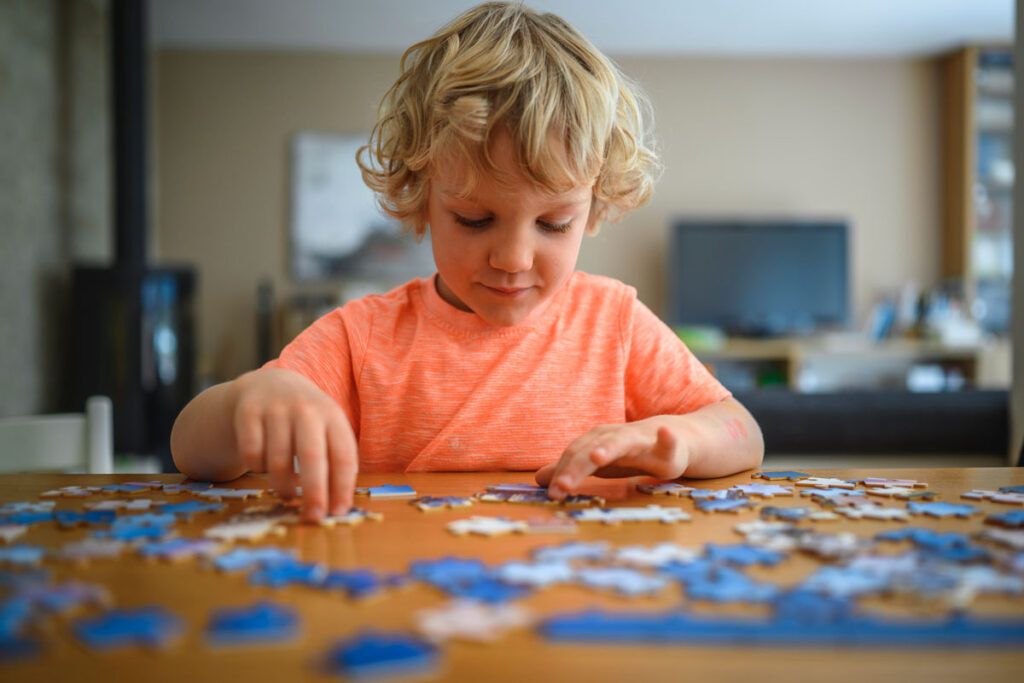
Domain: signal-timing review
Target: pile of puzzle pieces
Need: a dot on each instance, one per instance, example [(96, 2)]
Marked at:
[(482, 601)]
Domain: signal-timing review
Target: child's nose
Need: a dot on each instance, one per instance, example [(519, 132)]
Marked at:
[(512, 253)]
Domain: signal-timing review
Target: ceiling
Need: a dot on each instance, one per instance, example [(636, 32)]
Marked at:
[(850, 28)]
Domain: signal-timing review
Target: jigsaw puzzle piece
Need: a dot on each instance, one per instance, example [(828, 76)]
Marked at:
[(375, 654), (150, 626), (258, 624)]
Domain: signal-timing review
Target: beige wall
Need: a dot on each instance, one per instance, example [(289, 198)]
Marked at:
[(851, 138)]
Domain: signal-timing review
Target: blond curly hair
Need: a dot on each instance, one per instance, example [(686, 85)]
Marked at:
[(503, 65)]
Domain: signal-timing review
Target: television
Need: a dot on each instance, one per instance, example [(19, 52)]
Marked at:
[(759, 277)]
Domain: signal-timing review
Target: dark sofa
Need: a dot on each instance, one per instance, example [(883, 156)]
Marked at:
[(970, 422)]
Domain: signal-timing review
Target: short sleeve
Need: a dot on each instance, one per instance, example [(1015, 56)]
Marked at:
[(663, 377), (326, 352)]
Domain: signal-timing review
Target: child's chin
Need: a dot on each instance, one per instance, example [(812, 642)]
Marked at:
[(506, 317)]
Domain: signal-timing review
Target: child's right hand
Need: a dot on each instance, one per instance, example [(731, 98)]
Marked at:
[(279, 414)]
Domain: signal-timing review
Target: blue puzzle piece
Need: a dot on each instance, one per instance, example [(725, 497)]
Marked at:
[(263, 622), (64, 597), (941, 509), (448, 570), (830, 494), (71, 518), (134, 533), (623, 580), (726, 505), (486, 589), (279, 574), (725, 584), (239, 559), (27, 517), (359, 583), (176, 548), (1011, 489), (188, 508), (780, 474), (845, 582), (949, 546), (684, 572), (22, 555), (391, 491), (148, 626), (376, 654), (15, 613), (742, 554), (573, 550), (189, 487), (785, 514), (17, 580), (1014, 519), (123, 488)]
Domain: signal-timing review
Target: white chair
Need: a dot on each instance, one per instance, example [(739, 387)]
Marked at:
[(60, 443)]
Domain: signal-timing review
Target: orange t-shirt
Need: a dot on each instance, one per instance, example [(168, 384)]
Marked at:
[(428, 387)]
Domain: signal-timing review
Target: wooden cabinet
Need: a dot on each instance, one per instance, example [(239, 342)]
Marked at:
[(977, 180)]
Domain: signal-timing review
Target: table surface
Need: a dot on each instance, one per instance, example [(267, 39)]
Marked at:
[(407, 534)]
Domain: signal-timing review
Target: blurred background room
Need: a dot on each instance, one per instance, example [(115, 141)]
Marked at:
[(832, 234)]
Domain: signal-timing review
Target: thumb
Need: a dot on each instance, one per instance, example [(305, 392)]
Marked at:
[(543, 475), (665, 446)]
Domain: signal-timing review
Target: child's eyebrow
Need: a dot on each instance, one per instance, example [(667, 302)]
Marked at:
[(554, 204)]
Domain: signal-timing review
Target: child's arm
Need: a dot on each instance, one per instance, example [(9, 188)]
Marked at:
[(714, 441), (258, 423)]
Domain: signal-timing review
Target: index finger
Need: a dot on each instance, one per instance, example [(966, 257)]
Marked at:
[(344, 465)]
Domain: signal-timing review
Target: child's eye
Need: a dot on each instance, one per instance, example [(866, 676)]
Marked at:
[(556, 227), (470, 222)]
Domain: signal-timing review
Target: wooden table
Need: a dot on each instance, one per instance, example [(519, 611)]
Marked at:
[(406, 534)]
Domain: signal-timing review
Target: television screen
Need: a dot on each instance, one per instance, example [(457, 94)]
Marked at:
[(758, 277)]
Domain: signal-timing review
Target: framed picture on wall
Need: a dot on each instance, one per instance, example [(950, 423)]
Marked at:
[(338, 232)]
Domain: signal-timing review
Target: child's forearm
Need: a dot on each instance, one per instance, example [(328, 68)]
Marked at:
[(203, 438), (721, 439)]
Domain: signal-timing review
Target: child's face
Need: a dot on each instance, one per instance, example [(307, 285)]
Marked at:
[(507, 250)]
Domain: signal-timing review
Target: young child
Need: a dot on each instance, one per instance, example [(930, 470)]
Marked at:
[(506, 138)]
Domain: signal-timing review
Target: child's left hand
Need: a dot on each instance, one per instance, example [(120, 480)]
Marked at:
[(620, 450)]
